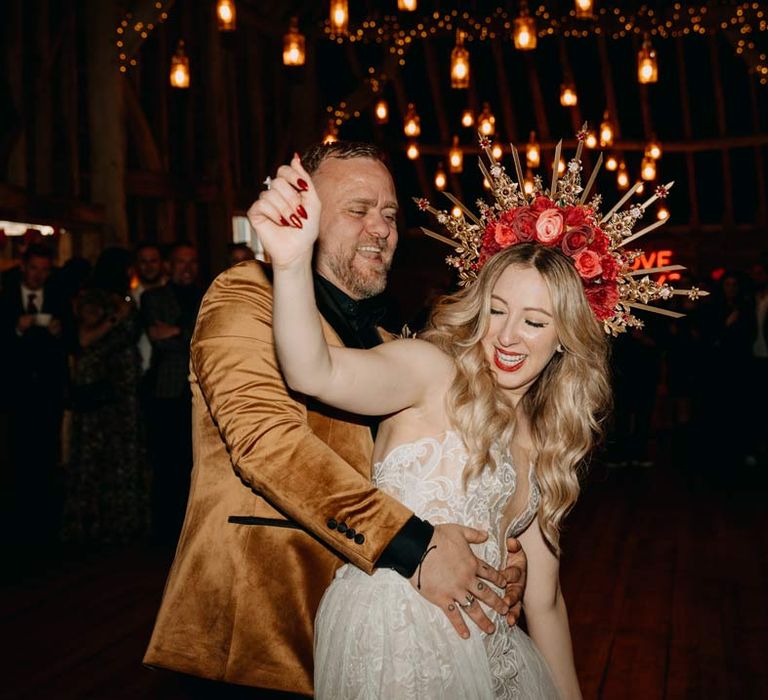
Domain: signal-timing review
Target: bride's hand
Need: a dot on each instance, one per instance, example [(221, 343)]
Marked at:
[(286, 216)]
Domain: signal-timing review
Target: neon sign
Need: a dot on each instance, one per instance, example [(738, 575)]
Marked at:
[(657, 258)]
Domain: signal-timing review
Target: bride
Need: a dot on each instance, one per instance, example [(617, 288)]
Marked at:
[(489, 416)]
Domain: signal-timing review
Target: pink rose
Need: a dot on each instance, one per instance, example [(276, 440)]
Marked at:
[(504, 235), (576, 240), (524, 224), (588, 264), (549, 226), (602, 299)]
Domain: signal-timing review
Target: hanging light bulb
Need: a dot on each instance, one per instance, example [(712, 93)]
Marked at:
[(486, 121), (180, 67), (662, 213), (591, 140), (456, 157), (456, 212), (560, 166), (622, 177), (653, 149), (524, 32), (467, 118), (339, 16), (486, 184), (648, 168), (640, 188), (528, 182), (412, 126), (226, 15), (407, 5), (532, 152), (647, 65), (294, 51), (412, 151), (611, 163), (583, 9), (459, 63), (497, 151), (440, 178), (568, 96), (381, 111), (331, 134), (606, 131)]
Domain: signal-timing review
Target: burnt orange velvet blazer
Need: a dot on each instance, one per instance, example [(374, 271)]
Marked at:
[(241, 597)]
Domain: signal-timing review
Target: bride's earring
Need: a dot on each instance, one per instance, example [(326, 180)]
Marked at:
[(560, 347)]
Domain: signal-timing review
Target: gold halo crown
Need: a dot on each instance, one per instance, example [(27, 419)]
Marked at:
[(561, 217)]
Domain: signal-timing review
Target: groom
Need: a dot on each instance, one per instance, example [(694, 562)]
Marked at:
[(281, 490)]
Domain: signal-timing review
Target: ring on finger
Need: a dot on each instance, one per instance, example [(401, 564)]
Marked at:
[(470, 599), (268, 182)]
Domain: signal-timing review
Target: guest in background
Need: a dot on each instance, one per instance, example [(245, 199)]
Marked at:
[(239, 252), (149, 268), (33, 394), (107, 493), (169, 315)]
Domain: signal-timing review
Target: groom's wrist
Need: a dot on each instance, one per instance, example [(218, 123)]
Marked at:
[(407, 547)]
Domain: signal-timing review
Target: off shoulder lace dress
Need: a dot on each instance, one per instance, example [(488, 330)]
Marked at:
[(375, 637)]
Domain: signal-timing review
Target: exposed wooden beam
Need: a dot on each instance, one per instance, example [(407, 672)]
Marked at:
[(685, 107), (762, 205), (507, 111), (43, 114), (611, 103), (722, 129)]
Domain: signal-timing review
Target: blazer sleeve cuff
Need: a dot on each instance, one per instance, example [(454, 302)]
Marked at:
[(407, 547)]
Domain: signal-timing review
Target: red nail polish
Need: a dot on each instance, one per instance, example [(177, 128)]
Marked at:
[(296, 155), (303, 186), (283, 222), (296, 221), (302, 212)]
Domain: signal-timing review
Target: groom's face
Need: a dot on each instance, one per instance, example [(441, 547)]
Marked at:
[(358, 224)]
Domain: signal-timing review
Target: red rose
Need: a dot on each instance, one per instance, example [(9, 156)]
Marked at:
[(549, 226), (588, 264), (610, 267), (489, 246), (541, 203), (602, 299), (576, 240), (504, 235), (599, 242), (575, 216), (524, 224)]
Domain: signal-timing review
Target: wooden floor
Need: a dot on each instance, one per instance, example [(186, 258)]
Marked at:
[(664, 571)]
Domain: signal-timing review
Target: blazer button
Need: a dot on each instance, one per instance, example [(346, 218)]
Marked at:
[(351, 533), (332, 523), (342, 528), (359, 538)]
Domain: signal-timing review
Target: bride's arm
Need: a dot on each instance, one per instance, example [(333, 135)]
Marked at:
[(383, 380), (546, 613)]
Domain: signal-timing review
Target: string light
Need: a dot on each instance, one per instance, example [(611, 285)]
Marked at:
[(467, 118), (648, 168), (226, 14), (622, 177), (647, 65), (568, 96), (532, 152), (583, 9), (459, 63), (440, 178), (486, 121), (611, 163), (456, 157), (339, 16), (497, 151), (606, 131), (662, 213), (407, 5), (412, 151), (331, 134), (294, 51), (381, 111), (590, 141), (524, 34), (180, 67), (412, 125), (653, 149), (528, 182)]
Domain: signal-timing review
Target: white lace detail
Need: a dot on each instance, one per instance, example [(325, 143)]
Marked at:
[(377, 638)]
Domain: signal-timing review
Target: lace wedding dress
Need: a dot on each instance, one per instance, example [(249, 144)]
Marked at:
[(376, 637)]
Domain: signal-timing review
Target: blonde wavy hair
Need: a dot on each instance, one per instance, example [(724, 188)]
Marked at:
[(565, 406)]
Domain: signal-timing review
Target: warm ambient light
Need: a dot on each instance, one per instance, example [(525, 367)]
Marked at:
[(226, 15), (381, 111), (331, 134), (528, 182), (459, 63), (456, 212), (486, 121), (583, 9), (339, 16), (648, 168), (497, 151), (440, 178), (606, 131), (568, 96), (294, 51), (467, 118), (407, 5), (653, 149), (611, 163), (647, 65), (532, 152), (662, 213), (622, 177), (524, 33), (591, 140), (413, 151), (456, 157), (412, 126), (180, 67)]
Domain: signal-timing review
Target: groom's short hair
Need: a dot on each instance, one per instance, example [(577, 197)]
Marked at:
[(343, 150)]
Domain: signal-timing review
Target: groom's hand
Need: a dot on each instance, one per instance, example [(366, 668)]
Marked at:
[(515, 571), (454, 579)]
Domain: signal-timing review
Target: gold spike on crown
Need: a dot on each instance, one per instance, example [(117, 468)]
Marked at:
[(559, 217)]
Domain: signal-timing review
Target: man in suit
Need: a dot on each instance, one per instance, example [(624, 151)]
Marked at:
[(281, 490), (34, 393), (169, 313)]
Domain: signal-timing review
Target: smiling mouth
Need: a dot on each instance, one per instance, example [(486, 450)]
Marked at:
[(508, 362)]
